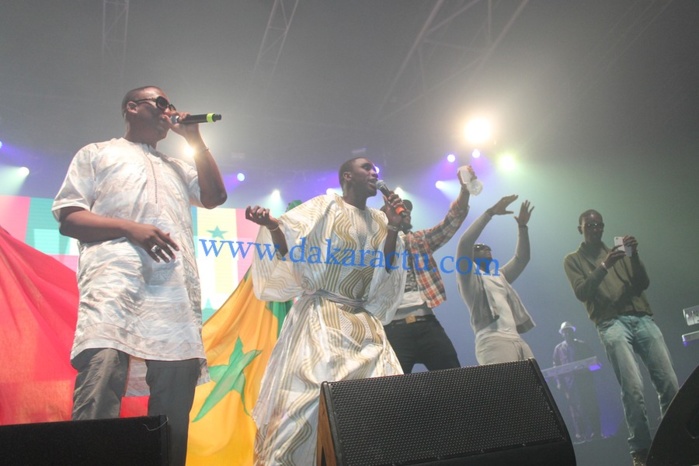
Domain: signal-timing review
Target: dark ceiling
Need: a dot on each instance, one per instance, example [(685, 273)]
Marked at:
[(395, 78)]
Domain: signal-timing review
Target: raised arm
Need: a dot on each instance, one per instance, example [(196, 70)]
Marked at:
[(213, 191), (516, 265), (468, 239)]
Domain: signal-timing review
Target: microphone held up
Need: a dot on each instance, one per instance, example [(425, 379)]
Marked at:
[(400, 210), (193, 119), (381, 185)]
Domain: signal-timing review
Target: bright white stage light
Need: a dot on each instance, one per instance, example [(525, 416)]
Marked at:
[(478, 131), (508, 162)]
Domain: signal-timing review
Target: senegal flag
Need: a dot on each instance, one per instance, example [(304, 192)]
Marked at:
[(238, 339)]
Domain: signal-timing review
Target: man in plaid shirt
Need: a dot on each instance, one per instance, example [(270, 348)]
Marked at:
[(415, 333)]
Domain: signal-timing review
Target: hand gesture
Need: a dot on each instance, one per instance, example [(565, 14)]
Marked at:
[(525, 214), (261, 216), (153, 240), (500, 207)]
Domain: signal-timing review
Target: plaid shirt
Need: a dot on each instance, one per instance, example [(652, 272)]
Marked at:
[(425, 242)]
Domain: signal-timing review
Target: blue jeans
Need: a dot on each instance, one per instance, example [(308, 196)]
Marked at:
[(622, 337)]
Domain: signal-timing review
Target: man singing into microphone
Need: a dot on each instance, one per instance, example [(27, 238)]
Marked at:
[(128, 205), (334, 330)]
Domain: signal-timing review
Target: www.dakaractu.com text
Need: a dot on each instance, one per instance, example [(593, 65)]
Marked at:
[(348, 257)]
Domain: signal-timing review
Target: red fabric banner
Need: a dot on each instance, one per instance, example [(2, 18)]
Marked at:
[(38, 311)]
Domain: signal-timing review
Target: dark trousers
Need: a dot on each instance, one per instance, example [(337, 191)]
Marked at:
[(101, 383), (422, 343)]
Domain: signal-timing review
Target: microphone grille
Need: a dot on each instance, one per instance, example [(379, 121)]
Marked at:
[(174, 119), (381, 184)]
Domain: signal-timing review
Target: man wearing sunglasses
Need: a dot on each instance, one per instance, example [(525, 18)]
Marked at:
[(129, 207), (498, 316), (611, 284)]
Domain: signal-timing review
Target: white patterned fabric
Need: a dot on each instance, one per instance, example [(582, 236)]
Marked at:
[(128, 301), (334, 330)]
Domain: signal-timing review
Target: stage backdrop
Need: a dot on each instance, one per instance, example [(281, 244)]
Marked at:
[(39, 302)]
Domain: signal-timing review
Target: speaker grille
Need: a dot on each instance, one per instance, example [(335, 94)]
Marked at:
[(442, 414), (141, 441)]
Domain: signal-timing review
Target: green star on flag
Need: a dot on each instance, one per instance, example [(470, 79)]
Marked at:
[(217, 232), (228, 378)]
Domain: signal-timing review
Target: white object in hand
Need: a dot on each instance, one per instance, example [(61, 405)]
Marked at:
[(470, 180)]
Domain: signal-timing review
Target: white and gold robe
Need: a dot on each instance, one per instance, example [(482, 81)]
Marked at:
[(334, 331)]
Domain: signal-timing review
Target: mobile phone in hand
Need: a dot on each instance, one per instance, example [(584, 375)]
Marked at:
[(619, 241)]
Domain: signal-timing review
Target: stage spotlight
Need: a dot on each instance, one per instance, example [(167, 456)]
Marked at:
[(0, 144), (507, 162), (476, 153), (378, 170), (451, 158), (276, 195), (439, 184), (240, 176), (399, 191), (189, 151), (478, 131), (11, 179)]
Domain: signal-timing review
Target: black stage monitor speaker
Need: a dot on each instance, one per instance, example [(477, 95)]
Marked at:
[(484, 415), (677, 441), (141, 441)]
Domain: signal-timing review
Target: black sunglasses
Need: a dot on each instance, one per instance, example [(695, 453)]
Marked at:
[(161, 102)]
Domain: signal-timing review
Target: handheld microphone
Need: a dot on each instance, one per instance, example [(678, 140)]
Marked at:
[(192, 119), (400, 210)]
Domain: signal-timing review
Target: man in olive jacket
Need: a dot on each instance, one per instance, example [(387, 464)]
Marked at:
[(611, 285)]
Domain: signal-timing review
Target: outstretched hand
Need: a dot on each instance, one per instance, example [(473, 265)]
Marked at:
[(500, 207), (525, 213)]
